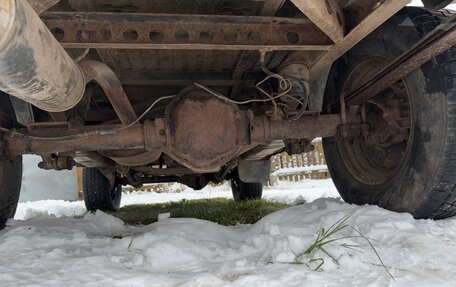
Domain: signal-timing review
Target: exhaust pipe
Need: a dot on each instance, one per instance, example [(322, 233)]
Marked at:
[(35, 68), (33, 65)]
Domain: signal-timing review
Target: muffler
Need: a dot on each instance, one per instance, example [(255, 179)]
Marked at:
[(33, 65)]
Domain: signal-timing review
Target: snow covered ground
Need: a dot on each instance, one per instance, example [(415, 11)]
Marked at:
[(99, 250)]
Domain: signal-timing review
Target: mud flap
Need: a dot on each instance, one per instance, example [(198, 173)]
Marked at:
[(254, 171)]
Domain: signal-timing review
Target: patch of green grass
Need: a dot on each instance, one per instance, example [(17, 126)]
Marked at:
[(324, 238), (220, 210), (327, 236)]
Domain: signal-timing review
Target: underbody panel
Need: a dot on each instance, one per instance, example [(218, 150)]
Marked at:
[(193, 87)]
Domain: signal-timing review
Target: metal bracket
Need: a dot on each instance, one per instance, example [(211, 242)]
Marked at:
[(351, 131), (57, 162)]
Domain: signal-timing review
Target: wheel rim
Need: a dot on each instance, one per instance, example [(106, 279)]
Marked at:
[(376, 159)]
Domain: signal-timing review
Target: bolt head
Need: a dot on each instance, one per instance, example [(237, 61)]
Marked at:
[(83, 35)]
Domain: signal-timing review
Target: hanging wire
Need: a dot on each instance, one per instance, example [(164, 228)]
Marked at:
[(146, 111), (83, 55), (285, 85)]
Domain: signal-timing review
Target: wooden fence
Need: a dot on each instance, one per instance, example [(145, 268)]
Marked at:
[(311, 165)]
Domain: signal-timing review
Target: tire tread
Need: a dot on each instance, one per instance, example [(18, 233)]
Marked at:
[(96, 191)]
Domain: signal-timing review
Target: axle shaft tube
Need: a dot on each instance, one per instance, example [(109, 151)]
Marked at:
[(113, 137), (152, 135), (264, 129)]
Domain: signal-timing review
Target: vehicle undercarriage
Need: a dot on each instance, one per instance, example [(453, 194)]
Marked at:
[(199, 91)]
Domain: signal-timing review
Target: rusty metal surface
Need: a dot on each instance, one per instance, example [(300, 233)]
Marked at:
[(436, 42), (371, 19), (91, 159), (194, 145), (105, 77), (86, 138), (112, 87), (326, 14), (135, 159), (50, 162), (204, 132), (170, 71), (357, 10), (197, 7), (307, 127), (374, 19), (42, 5), (57, 139), (33, 65), (247, 59), (217, 76), (159, 31), (264, 151), (201, 133), (270, 7), (165, 61)]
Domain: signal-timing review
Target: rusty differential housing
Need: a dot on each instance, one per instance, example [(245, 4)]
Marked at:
[(199, 130), (204, 131)]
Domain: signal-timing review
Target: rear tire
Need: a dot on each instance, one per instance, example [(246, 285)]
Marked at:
[(98, 193), (415, 175), (10, 187), (245, 190), (10, 173)]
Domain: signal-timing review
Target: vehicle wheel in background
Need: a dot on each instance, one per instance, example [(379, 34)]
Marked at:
[(10, 170), (97, 191), (10, 187)]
